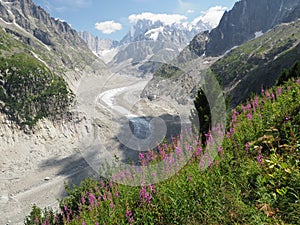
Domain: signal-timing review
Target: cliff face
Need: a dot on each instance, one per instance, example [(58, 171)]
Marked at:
[(245, 69), (52, 41), (38, 22), (246, 19), (96, 44)]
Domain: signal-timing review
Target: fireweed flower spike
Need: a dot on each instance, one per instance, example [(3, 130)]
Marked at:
[(260, 159), (249, 116)]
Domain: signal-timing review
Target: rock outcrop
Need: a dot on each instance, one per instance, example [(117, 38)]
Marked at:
[(53, 41), (245, 21)]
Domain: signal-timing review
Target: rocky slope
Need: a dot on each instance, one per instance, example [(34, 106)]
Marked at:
[(246, 69), (260, 64), (246, 20), (101, 47), (51, 40), (41, 58)]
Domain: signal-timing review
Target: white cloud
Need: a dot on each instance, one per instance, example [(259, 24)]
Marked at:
[(212, 16), (108, 27), (189, 11), (167, 19)]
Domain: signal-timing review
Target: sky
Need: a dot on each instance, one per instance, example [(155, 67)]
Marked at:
[(113, 18)]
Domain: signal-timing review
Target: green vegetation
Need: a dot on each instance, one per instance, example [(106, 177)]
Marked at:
[(254, 179), (258, 62), (29, 91), (209, 102), (167, 71), (250, 57), (287, 74)]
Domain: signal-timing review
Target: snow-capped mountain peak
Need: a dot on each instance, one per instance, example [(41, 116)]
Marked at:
[(156, 29)]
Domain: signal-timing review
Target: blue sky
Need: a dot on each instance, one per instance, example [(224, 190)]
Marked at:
[(111, 18)]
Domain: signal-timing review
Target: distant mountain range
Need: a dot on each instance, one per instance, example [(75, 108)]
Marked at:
[(173, 36)]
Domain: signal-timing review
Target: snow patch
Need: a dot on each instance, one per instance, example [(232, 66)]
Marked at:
[(154, 33), (38, 58), (170, 49), (258, 34), (107, 55)]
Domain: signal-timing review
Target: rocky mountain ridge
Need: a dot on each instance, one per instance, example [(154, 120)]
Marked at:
[(99, 46), (245, 21), (143, 47), (246, 69), (178, 33), (52, 41)]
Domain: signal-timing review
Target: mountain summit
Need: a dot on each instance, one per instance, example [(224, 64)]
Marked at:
[(160, 33), (178, 33), (52, 40), (248, 19)]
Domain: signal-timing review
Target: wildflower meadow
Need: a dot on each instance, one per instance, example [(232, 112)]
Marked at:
[(254, 179)]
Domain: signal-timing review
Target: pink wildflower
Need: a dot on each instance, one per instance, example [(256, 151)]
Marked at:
[(36, 220), (178, 151), (145, 196), (112, 205), (129, 216), (234, 115), (248, 107), (279, 91), (260, 159), (92, 198), (249, 116), (273, 96)]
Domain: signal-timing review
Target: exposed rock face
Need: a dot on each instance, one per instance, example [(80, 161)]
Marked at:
[(96, 44), (148, 44), (259, 63), (195, 48), (245, 69), (36, 20), (177, 34), (53, 41), (245, 20)]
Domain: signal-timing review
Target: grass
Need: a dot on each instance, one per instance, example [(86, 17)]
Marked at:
[(255, 53), (258, 62), (255, 178)]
